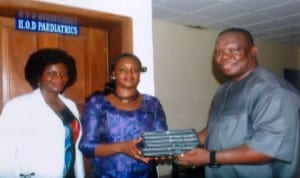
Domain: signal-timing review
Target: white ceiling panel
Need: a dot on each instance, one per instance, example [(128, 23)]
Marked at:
[(275, 20), (246, 19), (221, 11), (263, 25), (190, 20), (255, 5), (187, 6), (164, 14)]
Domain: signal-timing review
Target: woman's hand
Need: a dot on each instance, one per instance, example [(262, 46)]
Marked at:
[(130, 148)]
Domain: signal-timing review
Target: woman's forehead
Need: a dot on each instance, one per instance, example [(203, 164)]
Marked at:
[(126, 60)]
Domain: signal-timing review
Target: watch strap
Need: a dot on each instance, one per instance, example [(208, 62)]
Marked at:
[(212, 159)]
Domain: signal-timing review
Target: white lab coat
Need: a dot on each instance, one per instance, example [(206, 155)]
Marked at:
[(32, 138)]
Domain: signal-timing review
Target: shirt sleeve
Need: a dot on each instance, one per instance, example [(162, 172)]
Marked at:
[(275, 120), (9, 136)]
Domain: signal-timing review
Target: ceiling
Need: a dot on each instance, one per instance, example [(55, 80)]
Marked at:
[(274, 20)]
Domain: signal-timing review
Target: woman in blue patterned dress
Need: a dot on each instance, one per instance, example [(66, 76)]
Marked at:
[(113, 121)]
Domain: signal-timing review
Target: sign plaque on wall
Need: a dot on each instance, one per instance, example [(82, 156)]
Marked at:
[(50, 23), (37, 25)]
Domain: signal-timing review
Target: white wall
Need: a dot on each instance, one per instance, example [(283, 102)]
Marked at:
[(140, 11)]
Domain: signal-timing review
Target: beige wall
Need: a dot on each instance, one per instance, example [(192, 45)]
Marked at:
[(276, 57), (182, 73), (184, 82)]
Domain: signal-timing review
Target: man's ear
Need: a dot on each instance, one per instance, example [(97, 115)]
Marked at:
[(253, 51)]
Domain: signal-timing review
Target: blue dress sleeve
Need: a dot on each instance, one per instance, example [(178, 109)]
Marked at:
[(160, 122), (90, 124)]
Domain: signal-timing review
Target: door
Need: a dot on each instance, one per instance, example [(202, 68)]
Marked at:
[(101, 35), (89, 50)]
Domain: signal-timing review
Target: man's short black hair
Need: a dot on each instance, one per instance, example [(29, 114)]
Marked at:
[(244, 32), (39, 60)]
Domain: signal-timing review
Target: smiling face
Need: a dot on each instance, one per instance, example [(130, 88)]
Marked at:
[(54, 78), (234, 56), (127, 73)]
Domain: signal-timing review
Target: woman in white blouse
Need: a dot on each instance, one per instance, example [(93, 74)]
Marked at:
[(39, 131)]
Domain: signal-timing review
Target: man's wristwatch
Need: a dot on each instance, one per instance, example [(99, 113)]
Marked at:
[(212, 158)]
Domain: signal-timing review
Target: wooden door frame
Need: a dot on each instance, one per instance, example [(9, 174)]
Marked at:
[(119, 27)]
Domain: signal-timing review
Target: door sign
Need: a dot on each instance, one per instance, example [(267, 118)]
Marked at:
[(37, 25)]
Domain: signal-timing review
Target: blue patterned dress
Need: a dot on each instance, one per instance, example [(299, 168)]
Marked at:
[(103, 123)]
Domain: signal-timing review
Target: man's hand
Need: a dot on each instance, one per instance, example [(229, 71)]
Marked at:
[(195, 157)]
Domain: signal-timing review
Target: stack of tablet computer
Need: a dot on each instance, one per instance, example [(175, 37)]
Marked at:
[(169, 143)]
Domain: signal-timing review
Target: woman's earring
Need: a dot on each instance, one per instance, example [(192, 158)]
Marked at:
[(143, 69), (113, 77)]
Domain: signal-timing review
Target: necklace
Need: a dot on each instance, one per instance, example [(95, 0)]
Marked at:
[(127, 99)]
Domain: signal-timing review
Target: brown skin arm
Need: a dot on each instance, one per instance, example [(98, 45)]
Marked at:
[(202, 136), (238, 155), (128, 147)]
